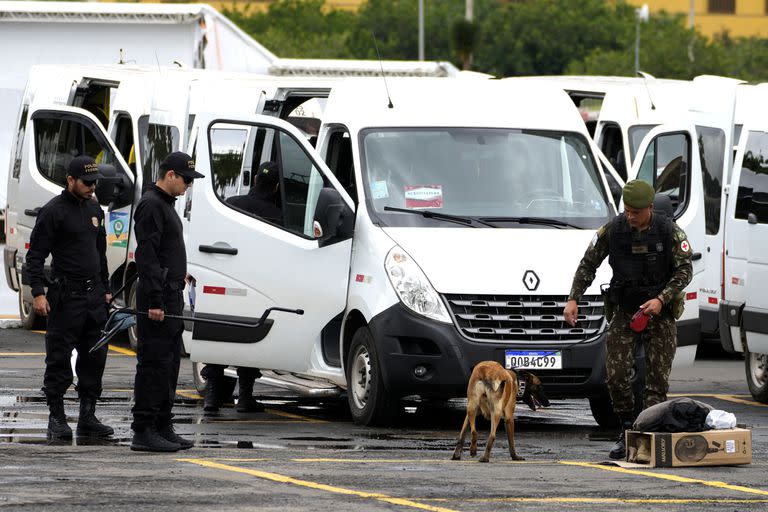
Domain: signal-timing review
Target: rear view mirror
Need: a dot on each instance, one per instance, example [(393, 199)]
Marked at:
[(115, 189), (335, 218)]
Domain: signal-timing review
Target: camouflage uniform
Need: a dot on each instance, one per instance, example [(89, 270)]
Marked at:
[(660, 336)]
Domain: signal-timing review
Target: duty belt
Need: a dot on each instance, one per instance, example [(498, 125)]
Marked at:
[(77, 285)]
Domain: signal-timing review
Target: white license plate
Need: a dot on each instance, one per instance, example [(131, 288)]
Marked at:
[(533, 359)]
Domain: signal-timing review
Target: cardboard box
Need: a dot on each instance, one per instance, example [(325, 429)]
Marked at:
[(711, 448)]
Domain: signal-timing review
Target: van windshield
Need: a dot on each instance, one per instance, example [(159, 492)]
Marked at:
[(496, 175)]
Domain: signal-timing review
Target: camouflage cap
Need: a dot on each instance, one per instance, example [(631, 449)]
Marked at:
[(638, 194)]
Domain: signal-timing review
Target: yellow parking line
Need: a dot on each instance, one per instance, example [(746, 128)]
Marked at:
[(123, 351), (727, 398), (275, 477), (565, 499), (294, 416), (674, 478), (10, 317), (189, 394), (407, 461), (17, 354), (38, 332)]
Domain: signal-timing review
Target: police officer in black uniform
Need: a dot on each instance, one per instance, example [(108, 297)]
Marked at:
[(71, 228), (161, 261)]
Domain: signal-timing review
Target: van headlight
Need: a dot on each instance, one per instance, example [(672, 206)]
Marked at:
[(412, 286)]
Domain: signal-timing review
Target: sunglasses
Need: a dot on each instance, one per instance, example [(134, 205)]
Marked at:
[(187, 179)]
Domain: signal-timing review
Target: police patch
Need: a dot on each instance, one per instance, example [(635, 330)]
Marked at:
[(685, 246), (95, 222)]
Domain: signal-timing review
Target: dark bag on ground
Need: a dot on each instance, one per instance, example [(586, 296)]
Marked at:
[(675, 415)]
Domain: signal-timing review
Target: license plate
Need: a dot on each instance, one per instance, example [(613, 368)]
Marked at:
[(533, 359)]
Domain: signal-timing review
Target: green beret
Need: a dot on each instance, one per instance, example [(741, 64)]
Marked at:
[(638, 194)]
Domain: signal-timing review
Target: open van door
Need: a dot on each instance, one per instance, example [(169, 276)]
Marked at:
[(668, 159), (244, 264), (58, 134)]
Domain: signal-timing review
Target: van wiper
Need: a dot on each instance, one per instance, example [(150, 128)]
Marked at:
[(532, 220), (427, 214)]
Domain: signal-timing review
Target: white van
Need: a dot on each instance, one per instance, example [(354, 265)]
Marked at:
[(744, 308), (438, 224)]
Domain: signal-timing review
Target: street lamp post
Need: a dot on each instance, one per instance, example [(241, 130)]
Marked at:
[(421, 29), (641, 15)]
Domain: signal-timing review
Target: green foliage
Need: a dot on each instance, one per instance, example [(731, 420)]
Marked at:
[(507, 38)]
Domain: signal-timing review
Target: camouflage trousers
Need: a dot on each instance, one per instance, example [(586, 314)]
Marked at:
[(659, 342)]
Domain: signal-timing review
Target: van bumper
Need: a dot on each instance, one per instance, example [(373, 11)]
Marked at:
[(406, 341)]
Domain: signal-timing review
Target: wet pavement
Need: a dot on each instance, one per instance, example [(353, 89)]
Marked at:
[(306, 454)]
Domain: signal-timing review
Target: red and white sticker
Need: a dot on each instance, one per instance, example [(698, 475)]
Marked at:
[(220, 290), (685, 246), (424, 196)]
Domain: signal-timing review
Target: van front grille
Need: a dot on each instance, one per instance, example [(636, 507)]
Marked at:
[(534, 318)]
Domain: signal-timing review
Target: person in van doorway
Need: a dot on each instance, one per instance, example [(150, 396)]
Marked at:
[(651, 261), (246, 377), (71, 228), (161, 262), (261, 199)]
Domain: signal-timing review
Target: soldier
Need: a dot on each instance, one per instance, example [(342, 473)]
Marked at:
[(651, 261), (161, 261), (71, 228)]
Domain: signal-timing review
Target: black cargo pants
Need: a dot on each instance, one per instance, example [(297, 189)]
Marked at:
[(158, 358), (78, 313)]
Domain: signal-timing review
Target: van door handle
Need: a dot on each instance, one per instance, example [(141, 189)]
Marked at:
[(696, 256), (214, 249), (33, 212)]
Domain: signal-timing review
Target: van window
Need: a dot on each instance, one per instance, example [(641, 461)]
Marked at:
[(339, 160), (501, 175), (666, 166), (156, 141), (124, 139), (613, 148), (711, 142), (20, 141), (238, 150), (60, 137), (636, 134), (752, 196)]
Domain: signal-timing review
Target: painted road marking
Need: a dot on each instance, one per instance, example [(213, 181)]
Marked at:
[(122, 351), (119, 350), (565, 499), (275, 477), (727, 398), (665, 476)]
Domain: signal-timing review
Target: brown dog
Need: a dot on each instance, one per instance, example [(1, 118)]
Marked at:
[(493, 389)]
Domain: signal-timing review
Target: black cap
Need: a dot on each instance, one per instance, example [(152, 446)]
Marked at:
[(85, 168), (180, 163), (267, 174)]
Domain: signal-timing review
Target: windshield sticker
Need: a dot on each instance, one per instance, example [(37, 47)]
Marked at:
[(379, 190), (424, 196), (117, 229)]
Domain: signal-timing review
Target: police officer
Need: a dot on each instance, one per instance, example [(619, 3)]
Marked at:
[(161, 261), (651, 261), (71, 228)]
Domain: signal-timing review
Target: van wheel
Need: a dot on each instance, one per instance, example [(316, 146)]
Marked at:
[(197, 377), (756, 366), (602, 410), (369, 402), (226, 389), (29, 319), (133, 336)]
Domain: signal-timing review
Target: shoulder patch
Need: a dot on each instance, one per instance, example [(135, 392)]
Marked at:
[(685, 246)]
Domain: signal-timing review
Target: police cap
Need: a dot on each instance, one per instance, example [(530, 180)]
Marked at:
[(267, 174), (180, 163), (85, 168), (638, 194)]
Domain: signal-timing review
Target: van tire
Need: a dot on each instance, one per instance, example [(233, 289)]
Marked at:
[(132, 331), (602, 411), (29, 319), (226, 389), (369, 402), (756, 366)]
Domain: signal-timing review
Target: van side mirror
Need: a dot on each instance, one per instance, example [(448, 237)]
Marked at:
[(335, 217), (115, 189)]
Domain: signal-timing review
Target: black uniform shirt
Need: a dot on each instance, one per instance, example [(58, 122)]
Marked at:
[(260, 204), (159, 244), (72, 230)]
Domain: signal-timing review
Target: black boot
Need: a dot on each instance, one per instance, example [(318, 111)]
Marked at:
[(245, 401), (58, 429), (169, 434), (212, 401), (88, 425), (149, 440), (619, 450)]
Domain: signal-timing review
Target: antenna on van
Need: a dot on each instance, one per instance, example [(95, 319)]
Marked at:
[(646, 76), (159, 69), (381, 64)]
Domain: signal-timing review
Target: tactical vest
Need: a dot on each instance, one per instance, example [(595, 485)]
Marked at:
[(641, 267)]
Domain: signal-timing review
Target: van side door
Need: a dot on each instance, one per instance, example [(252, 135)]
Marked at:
[(57, 135), (246, 260)]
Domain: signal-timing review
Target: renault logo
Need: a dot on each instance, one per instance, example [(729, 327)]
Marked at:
[(531, 280)]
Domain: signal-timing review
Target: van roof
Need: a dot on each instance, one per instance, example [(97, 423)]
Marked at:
[(362, 102)]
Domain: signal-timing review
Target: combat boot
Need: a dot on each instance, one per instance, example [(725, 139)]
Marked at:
[(212, 401), (619, 450), (58, 429), (245, 401), (88, 425), (169, 434), (149, 440)]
